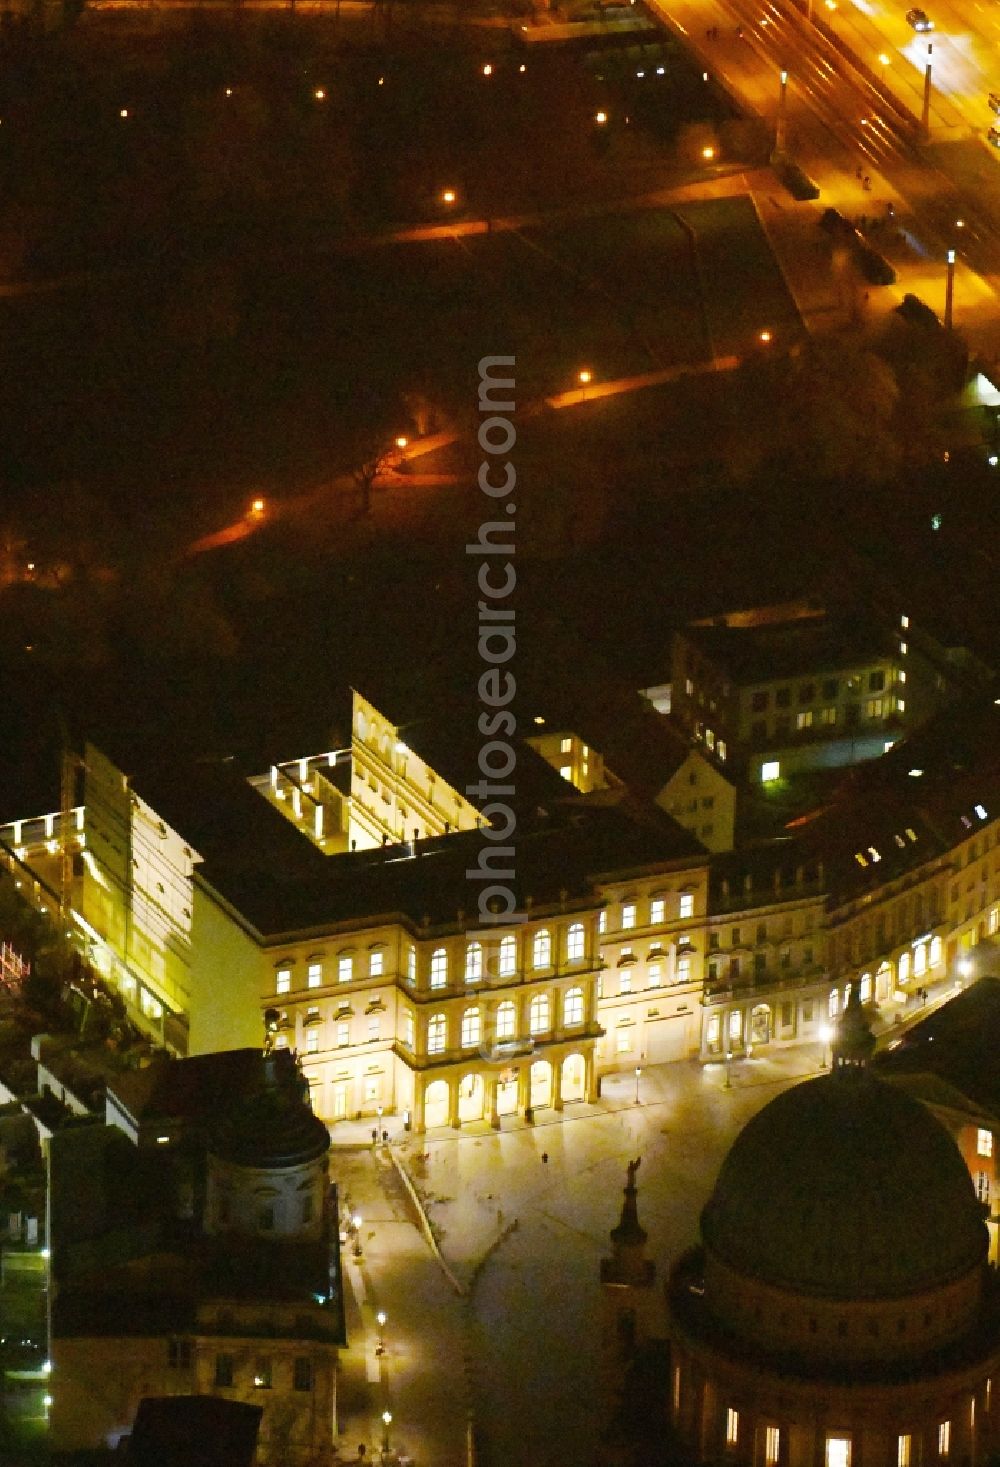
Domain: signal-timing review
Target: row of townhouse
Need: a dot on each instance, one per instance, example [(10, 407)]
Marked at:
[(627, 944)]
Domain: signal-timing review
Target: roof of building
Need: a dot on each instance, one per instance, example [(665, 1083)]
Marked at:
[(270, 1123), (194, 1090), (958, 1043), (194, 1431), (798, 648), (845, 1187)]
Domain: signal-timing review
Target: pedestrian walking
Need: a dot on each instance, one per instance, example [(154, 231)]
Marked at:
[(866, 184), (374, 1135)]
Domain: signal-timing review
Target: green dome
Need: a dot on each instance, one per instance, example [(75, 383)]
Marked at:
[(845, 1187)]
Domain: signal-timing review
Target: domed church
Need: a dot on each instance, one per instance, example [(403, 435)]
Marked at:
[(839, 1311)]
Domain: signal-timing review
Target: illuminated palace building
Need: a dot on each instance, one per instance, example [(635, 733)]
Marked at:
[(341, 891)]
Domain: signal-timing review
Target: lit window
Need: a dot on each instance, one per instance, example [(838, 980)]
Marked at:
[(654, 975), (471, 1028), (437, 1031), (314, 975), (602, 921), (901, 705), (710, 738), (538, 1014), (828, 716), (904, 1451), (838, 1451), (574, 943), (735, 1026), (901, 675), (343, 1033), (873, 708), (720, 749), (687, 904), (565, 746), (541, 949), (411, 964), (904, 622), (944, 1438), (149, 1005), (623, 1038), (439, 968), (312, 1041), (772, 1445), (283, 981), (628, 915), (903, 649), (625, 985), (684, 969), (473, 961), (262, 1373), (804, 719), (345, 968), (834, 1002), (408, 1028), (505, 1020), (573, 1007), (770, 770), (904, 967), (508, 956), (732, 1427), (937, 949), (376, 963), (984, 1143), (657, 909), (566, 770), (374, 1027)]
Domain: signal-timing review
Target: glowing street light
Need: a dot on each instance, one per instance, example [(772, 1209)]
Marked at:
[(488, 69), (638, 1072), (584, 376), (123, 112), (401, 442), (601, 118), (708, 153), (729, 1061), (386, 1423), (356, 1221), (320, 94), (257, 508), (765, 336), (448, 196), (381, 1318), (825, 1035)]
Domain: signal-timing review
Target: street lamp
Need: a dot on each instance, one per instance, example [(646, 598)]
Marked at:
[(386, 1423), (380, 1320), (448, 196), (357, 1220), (708, 153), (765, 337), (949, 291), (925, 115), (600, 118), (638, 1072), (585, 376), (729, 1061), (825, 1035), (257, 508), (779, 131)]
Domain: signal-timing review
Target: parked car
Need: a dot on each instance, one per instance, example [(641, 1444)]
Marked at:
[(919, 20)]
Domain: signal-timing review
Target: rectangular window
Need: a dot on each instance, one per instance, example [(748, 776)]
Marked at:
[(684, 970), (262, 1373), (223, 1371), (653, 976), (411, 965), (314, 975), (732, 1427), (375, 963), (770, 770), (838, 1451), (302, 1373), (904, 1451), (179, 1354), (343, 1033), (374, 1027), (783, 698), (625, 985), (628, 915), (602, 921), (687, 904), (876, 681), (565, 745), (804, 719), (828, 716), (373, 1087), (345, 969), (944, 1438), (984, 1143), (772, 1445), (312, 1041), (873, 708), (623, 1039), (283, 980), (657, 909)]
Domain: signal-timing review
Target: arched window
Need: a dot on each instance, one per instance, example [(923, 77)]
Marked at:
[(573, 1007), (505, 1020), (470, 1028), (508, 956), (541, 951), (408, 1028), (574, 943), (904, 967), (439, 968), (935, 951), (538, 1013), (473, 961), (834, 1001), (437, 1034)]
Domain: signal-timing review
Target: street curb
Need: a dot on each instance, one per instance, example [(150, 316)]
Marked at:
[(484, 1260), (425, 1226)]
